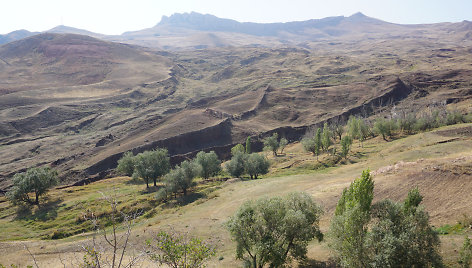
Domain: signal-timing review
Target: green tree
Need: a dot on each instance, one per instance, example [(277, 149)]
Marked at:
[(353, 127), (238, 148), (309, 145), (348, 230), (181, 177), (401, 235), (337, 127), (248, 145), (272, 143), (275, 230), (209, 163), (384, 127), (256, 165), (179, 251), (346, 143), (364, 130), (34, 180), (151, 165), (326, 138), (236, 165), (126, 164), (282, 144)]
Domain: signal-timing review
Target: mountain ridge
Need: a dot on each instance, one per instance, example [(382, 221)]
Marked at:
[(199, 31)]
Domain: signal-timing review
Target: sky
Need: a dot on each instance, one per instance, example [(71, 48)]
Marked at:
[(118, 16)]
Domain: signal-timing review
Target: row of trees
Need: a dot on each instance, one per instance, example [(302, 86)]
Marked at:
[(273, 231), (245, 162), (154, 165), (325, 139)]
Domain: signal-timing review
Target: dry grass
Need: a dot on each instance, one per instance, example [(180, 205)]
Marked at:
[(440, 170)]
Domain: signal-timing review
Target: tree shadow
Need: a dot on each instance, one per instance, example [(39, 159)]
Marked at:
[(151, 189), (46, 211), (135, 182), (311, 263)]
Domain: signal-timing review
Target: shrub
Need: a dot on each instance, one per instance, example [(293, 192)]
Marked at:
[(176, 250)]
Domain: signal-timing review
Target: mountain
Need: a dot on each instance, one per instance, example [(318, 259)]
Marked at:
[(199, 31), (15, 35), (71, 30), (179, 31)]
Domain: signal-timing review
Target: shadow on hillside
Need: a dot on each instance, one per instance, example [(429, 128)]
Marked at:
[(46, 211), (135, 182), (310, 263), (151, 189)]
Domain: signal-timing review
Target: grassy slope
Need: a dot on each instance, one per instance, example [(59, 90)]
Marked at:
[(439, 165)]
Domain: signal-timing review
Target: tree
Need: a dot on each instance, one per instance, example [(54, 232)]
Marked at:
[(384, 127), (176, 250), (256, 165), (113, 250), (337, 127), (326, 138), (309, 144), (272, 143), (126, 164), (34, 180), (346, 142), (364, 130), (238, 148), (348, 230), (275, 230), (236, 165), (181, 177), (209, 163), (248, 145), (401, 235), (353, 127), (282, 144), (150, 165)]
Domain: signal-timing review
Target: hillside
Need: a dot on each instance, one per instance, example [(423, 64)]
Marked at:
[(437, 162), (99, 99)]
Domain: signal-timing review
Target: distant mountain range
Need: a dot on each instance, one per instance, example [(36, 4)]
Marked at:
[(194, 30)]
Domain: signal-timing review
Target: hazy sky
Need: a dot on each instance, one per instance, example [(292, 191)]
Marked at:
[(118, 16)]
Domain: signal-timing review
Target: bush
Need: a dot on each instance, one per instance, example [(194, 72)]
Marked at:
[(34, 180), (275, 230), (176, 250)]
